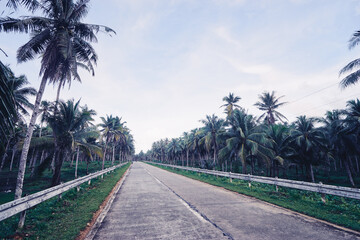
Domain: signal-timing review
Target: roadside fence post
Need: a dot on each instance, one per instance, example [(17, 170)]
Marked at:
[(323, 199), (230, 177), (249, 180), (276, 184)]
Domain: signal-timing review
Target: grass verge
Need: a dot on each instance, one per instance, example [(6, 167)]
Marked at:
[(63, 218), (338, 210), (36, 184)]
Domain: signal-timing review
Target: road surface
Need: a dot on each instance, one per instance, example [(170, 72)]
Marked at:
[(155, 204)]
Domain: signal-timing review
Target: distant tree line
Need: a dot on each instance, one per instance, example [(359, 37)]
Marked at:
[(268, 145)]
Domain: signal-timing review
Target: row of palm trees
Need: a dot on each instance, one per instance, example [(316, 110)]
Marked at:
[(264, 145), (68, 124), (65, 133), (63, 43)]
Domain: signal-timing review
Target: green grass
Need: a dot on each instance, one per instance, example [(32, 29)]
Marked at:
[(338, 210), (64, 218), (32, 185)]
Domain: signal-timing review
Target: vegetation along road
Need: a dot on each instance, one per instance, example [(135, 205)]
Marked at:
[(156, 204)]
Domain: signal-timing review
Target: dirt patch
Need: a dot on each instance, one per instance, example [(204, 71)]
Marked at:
[(83, 233)]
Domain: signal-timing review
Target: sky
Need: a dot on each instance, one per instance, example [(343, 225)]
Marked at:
[(172, 61)]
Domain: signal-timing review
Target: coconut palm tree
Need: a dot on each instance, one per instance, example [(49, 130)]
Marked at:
[(187, 145), (353, 66), (8, 113), (353, 116), (173, 149), (269, 103), (308, 142), (68, 131), (213, 126), (247, 139), (62, 41), (21, 94), (230, 103), (280, 144), (343, 142), (112, 128)]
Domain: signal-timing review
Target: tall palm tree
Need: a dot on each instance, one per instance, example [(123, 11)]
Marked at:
[(280, 144), (247, 139), (308, 142), (352, 66), (269, 103), (62, 41), (173, 149), (67, 126), (21, 93), (230, 103), (8, 113), (213, 126), (187, 145), (112, 128), (353, 116)]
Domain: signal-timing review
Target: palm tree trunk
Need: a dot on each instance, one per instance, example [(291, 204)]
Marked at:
[(215, 147), (113, 155), (251, 164), (34, 164), (335, 165), (41, 123), (58, 94), (349, 172), (42, 156), (58, 164), (52, 166), (5, 155), (310, 171), (187, 157), (32, 158), (26, 146), (244, 170), (103, 163), (13, 156), (77, 161)]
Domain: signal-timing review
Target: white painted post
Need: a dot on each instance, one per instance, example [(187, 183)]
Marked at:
[(230, 177), (323, 199), (276, 186)]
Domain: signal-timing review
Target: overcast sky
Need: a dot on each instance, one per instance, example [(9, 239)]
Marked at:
[(172, 61)]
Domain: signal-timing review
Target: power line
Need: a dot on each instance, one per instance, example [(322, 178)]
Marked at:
[(357, 94), (310, 94)]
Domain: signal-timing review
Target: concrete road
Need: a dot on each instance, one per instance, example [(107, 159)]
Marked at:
[(156, 204), (146, 209)]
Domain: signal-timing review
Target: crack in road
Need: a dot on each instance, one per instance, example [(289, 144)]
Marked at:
[(192, 208)]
